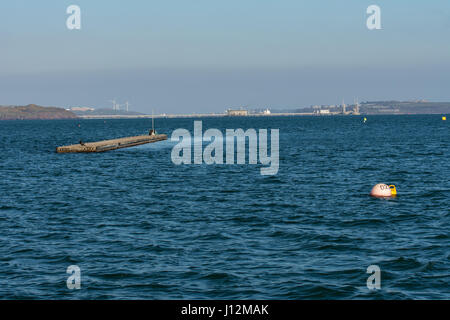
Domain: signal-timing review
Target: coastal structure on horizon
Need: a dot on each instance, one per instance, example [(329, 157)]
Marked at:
[(235, 112), (243, 112), (356, 109), (80, 109), (337, 110)]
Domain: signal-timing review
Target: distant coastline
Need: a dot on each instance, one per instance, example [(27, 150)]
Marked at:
[(32, 111)]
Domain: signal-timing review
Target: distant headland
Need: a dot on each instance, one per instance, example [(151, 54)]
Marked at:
[(34, 112), (377, 107)]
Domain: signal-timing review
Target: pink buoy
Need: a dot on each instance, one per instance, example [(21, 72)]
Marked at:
[(383, 190)]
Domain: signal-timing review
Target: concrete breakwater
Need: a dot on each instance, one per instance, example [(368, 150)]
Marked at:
[(107, 145)]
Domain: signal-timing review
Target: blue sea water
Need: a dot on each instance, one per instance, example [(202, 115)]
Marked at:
[(140, 227)]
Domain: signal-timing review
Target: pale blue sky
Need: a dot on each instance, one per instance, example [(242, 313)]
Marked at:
[(206, 55)]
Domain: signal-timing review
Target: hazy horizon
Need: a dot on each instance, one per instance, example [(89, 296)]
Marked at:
[(207, 56)]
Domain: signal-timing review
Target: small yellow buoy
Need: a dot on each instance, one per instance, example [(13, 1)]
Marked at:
[(444, 118), (393, 190)]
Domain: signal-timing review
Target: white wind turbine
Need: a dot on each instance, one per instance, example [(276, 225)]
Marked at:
[(114, 104), (127, 105)]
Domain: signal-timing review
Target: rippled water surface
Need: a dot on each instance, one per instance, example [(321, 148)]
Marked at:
[(140, 227)]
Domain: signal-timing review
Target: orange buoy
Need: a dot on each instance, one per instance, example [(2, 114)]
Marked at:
[(383, 190)]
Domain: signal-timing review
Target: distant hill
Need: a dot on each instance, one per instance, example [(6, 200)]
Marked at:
[(405, 107), (32, 112)]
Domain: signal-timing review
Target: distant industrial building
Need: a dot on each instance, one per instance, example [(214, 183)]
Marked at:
[(344, 108), (356, 109), (232, 112), (321, 112)]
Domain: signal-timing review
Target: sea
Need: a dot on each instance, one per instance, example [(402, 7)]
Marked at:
[(137, 226)]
